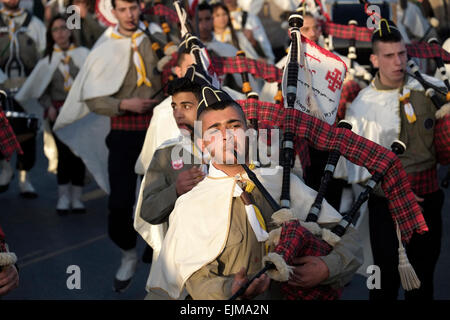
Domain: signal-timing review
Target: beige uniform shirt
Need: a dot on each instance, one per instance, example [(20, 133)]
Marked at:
[(159, 193), (55, 90)]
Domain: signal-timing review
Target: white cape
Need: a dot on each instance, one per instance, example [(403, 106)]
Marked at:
[(197, 234), (35, 85)]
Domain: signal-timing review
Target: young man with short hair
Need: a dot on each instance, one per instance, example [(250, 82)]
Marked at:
[(170, 173), (394, 106), (213, 244)]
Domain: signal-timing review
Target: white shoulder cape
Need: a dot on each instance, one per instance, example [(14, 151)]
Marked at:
[(101, 75), (42, 74), (199, 223)]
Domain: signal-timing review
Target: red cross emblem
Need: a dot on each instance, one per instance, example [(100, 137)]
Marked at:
[(334, 80), (177, 164)]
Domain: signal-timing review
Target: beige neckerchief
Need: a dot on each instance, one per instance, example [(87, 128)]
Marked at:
[(254, 215), (403, 97), (11, 15), (225, 36)]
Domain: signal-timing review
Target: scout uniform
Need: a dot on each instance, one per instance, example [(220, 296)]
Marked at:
[(408, 115)]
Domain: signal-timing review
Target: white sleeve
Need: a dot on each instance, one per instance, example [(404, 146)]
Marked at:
[(260, 35), (37, 32)]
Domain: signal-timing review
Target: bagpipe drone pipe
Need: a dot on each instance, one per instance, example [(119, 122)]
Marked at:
[(296, 237), (304, 118)]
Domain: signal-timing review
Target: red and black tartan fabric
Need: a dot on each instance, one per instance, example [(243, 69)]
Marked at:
[(375, 158), (424, 182), (427, 51), (347, 31), (238, 64), (163, 11), (167, 71), (270, 116), (8, 140), (359, 150), (417, 49), (131, 122), (2, 241), (296, 241), (349, 92), (442, 140)]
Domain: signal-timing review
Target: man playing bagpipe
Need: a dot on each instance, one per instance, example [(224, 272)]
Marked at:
[(218, 231), (396, 106)]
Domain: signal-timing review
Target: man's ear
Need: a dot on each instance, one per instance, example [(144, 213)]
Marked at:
[(374, 60), (177, 71)]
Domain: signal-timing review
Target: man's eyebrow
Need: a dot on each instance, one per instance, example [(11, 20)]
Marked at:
[(228, 122), (233, 120)]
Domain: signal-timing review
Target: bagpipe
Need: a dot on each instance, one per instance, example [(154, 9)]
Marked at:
[(307, 111), (24, 125), (299, 238), (442, 127)]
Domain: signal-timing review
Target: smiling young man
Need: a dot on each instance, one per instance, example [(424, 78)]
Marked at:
[(394, 107), (215, 241)]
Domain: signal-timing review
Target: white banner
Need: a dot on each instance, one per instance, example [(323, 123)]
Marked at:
[(321, 77)]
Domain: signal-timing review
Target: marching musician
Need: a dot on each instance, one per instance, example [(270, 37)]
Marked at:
[(222, 49), (50, 82), (215, 240), (252, 28), (22, 39), (394, 106), (117, 80)]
